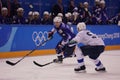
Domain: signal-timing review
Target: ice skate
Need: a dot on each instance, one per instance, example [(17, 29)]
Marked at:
[(80, 69), (100, 69)]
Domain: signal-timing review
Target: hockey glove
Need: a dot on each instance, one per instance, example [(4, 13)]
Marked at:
[(72, 43), (50, 34), (58, 60)]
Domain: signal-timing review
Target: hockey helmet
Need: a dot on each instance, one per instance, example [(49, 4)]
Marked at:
[(57, 19), (81, 26)]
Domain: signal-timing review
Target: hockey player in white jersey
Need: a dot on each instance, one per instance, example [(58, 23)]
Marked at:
[(93, 47)]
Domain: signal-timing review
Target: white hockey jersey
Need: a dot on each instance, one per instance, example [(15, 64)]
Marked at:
[(88, 38)]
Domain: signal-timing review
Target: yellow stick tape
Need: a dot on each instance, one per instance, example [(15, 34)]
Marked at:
[(23, 53), (42, 52), (116, 47)]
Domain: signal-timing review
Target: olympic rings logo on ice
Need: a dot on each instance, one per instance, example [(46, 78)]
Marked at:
[(39, 37)]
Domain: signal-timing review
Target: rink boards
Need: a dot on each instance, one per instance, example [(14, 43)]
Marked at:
[(17, 40)]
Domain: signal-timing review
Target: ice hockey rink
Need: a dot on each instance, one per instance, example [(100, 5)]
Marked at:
[(26, 70)]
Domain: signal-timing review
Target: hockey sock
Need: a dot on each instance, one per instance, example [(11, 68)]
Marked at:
[(98, 63), (79, 55), (80, 62)]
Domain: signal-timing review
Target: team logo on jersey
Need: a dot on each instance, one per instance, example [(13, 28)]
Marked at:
[(63, 34), (39, 37), (60, 31)]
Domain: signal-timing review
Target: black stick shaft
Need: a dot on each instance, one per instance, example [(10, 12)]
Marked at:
[(12, 64), (42, 65)]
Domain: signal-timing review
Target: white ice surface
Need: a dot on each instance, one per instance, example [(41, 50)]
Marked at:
[(26, 70)]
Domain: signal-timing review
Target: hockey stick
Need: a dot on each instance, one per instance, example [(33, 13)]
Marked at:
[(12, 64), (42, 65)]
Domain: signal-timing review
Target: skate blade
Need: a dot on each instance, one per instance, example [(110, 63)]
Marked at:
[(82, 71), (58, 62), (101, 71)]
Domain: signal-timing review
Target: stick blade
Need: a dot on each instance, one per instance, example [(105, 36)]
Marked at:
[(10, 63), (42, 65), (37, 64)]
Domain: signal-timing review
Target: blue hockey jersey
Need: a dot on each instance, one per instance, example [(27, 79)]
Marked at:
[(65, 32)]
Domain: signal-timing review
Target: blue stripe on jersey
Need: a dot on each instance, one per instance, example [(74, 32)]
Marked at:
[(98, 64), (80, 60)]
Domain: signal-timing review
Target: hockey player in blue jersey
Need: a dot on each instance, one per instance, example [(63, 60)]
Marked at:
[(65, 32)]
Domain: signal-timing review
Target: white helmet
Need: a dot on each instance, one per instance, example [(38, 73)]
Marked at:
[(60, 14), (20, 9), (97, 0), (57, 19), (30, 13), (46, 13), (4, 9), (81, 26), (36, 13), (102, 2)]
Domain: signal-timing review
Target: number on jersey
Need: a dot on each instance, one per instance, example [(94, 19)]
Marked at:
[(91, 35)]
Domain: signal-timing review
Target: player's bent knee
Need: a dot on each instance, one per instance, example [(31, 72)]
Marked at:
[(94, 56)]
